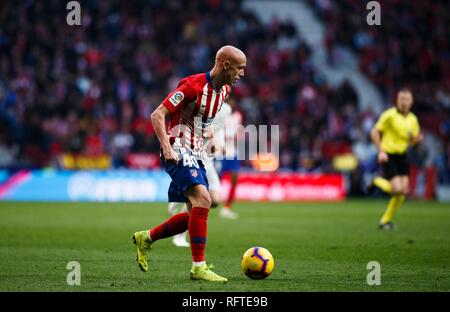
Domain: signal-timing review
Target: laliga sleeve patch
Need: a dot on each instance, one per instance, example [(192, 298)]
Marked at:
[(176, 98)]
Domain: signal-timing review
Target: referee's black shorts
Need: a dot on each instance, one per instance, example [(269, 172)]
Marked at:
[(397, 165)]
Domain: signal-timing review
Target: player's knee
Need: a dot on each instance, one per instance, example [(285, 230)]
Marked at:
[(396, 189), (404, 191), (204, 200)]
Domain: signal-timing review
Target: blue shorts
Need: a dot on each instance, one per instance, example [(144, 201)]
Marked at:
[(230, 165), (184, 175)]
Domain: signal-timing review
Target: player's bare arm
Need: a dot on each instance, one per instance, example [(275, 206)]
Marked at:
[(210, 135), (375, 135), (159, 124)]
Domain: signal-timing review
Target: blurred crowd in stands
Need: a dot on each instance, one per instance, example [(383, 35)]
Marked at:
[(90, 89), (410, 48)]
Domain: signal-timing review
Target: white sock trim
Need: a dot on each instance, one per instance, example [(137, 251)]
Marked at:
[(149, 237), (198, 264)]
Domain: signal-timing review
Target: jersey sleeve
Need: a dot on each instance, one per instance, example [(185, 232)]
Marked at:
[(181, 96), (383, 121)]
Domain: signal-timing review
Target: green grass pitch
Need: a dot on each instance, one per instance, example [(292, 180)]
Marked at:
[(316, 246)]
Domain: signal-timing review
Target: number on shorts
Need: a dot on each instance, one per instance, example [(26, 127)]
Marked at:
[(189, 161)]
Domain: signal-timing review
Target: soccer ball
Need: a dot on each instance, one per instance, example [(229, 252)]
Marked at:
[(257, 263)]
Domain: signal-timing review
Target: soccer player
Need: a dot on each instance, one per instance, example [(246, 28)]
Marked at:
[(395, 130), (192, 108), (219, 141), (230, 164), (212, 175)]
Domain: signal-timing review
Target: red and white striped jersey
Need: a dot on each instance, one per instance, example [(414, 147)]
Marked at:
[(193, 106)]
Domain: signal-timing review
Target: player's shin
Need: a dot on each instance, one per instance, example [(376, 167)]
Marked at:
[(174, 225), (231, 195), (197, 233), (394, 203)]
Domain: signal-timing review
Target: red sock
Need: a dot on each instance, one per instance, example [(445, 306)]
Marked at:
[(231, 196), (174, 225), (197, 232)]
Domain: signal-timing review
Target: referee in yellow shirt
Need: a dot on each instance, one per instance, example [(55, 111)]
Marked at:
[(396, 129)]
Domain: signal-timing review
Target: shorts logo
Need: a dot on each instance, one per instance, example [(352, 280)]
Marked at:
[(194, 173), (176, 98)]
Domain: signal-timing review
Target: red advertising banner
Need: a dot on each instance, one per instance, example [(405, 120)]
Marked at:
[(262, 186)]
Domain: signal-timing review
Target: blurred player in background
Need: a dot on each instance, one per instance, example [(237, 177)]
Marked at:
[(191, 108), (179, 240), (230, 163), (211, 170), (396, 129)]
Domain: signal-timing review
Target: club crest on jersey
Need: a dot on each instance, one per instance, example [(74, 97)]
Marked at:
[(194, 173), (176, 98)]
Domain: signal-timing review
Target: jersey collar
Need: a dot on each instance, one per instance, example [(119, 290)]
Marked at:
[(399, 112), (208, 78)]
